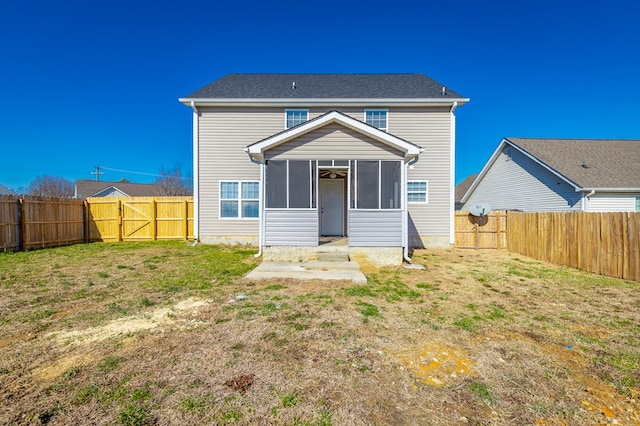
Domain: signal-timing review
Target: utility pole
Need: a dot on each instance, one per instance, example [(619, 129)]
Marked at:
[(97, 172)]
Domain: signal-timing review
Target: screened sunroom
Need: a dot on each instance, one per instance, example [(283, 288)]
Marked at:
[(333, 177)]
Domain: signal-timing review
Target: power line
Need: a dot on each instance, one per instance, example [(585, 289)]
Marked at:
[(129, 171), (97, 172)]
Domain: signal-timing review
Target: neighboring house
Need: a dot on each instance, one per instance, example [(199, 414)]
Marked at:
[(590, 175), (94, 188), (281, 160), (462, 188), (5, 191)]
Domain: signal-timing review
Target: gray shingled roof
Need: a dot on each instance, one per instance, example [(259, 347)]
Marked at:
[(324, 86), (610, 163), (88, 188), (463, 186)]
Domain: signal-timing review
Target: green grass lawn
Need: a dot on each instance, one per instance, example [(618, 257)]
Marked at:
[(167, 333)]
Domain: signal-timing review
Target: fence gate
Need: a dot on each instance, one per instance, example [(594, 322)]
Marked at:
[(488, 232), (138, 220)]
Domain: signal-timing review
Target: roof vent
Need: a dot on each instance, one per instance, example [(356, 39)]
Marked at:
[(444, 90), (293, 85), (584, 164)]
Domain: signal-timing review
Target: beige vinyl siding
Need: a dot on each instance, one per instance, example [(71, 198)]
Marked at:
[(429, 128), (224, 132), (612, 202), (333, 142)]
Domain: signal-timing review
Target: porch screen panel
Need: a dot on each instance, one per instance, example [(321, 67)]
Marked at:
[(299, 184), (368, 185), (390, 184), (276, 184)]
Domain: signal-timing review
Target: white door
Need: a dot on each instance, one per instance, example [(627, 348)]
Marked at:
[(332, 207)]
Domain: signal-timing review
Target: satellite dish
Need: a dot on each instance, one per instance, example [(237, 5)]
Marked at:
[(479, 209)]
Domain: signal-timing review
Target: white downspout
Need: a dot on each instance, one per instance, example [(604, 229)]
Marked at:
[(585, 199), (405, 216), (261, 214), (196, 174), (452, 177)]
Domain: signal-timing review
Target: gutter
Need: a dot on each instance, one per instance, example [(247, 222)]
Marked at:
[(322, 102), (196, 174)]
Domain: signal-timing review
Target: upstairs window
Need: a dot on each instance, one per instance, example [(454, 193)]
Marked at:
[(376, 118), (295, 117)]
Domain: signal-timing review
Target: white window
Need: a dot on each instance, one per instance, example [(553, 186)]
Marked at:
[(417, 191), (293, 117), (239, 199), (637, 203), (376, 118)]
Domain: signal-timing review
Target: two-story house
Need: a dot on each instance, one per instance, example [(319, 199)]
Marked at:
[(283, 160)]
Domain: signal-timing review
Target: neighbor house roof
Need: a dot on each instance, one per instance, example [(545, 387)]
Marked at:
[(5, 191), (589, 163), (90, 188), (463, 186), (257, 149), (586, 164), (325, 86)]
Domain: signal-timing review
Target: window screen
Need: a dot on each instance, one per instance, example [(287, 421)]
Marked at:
[(390, 184), (367, 185), (299, 184), (276, 184)]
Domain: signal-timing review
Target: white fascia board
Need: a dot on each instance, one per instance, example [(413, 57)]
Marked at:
[(256, 150), (629, 190), (323, 102)]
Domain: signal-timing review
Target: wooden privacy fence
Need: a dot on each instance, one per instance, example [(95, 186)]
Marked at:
[(602, 243), (139, 218), (488, 232), (37, 222)]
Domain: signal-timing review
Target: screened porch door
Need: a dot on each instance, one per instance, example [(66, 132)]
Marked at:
[(331, 207)]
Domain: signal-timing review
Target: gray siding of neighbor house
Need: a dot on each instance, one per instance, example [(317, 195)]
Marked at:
[(333, 142), (517, 182), (604, 202), (291, 227), (375, 228), (224, 132)]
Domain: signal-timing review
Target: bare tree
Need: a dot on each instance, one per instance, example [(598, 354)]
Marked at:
[(51, 186), (173, 182)]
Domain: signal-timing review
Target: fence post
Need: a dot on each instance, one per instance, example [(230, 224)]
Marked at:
[(23, 226), (185, 221), (154, 220), (119, 220)]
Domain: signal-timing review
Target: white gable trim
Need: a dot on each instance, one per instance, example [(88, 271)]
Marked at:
[(256, 150), (492, 160), (109, 189)]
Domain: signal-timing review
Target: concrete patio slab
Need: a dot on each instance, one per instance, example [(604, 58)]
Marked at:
[(309, 271)]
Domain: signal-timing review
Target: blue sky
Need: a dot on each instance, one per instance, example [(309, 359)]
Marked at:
[(97, 83)]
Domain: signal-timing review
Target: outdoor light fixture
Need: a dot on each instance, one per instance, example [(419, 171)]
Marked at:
[(332, 175)]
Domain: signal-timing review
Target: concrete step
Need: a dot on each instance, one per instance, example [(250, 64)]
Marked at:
[(333, 257)]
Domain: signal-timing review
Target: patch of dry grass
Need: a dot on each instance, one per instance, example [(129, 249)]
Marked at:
[(156, 334)]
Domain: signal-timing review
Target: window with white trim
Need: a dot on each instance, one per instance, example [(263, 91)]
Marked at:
[(376, 118), (239, 199), (637, 203), (417, 191), (293, 117)]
